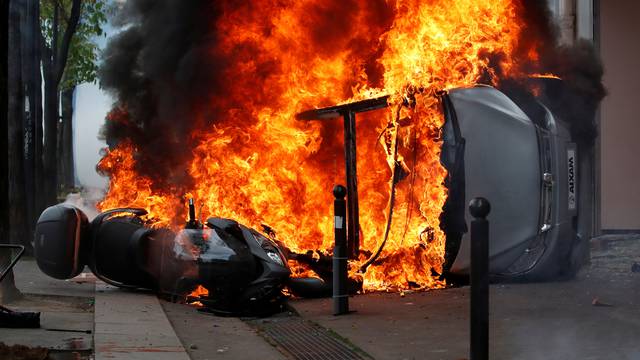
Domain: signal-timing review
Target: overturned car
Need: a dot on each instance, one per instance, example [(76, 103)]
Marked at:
[(512, 150)]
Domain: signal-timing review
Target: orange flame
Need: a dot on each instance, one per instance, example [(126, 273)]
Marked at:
[(259, 165), (199, 291), (545, 76)]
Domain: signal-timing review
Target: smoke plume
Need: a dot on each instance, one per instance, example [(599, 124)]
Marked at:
[(161, 73), (169, 76), (172, 75), (576, 98)]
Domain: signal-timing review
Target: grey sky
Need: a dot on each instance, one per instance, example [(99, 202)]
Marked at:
[(91, 107)]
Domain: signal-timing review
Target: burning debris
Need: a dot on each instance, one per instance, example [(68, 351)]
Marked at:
[(207, 97)]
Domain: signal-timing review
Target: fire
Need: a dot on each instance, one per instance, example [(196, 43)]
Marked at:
[(545, 76), (199, 291), (255, 163), (128, 189)]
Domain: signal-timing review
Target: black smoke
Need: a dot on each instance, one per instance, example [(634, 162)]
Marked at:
[(168, 79), (576, 97), (159, 70)]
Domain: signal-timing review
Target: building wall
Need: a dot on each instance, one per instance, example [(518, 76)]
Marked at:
[(620, 115)]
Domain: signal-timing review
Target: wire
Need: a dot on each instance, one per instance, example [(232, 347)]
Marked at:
[(394, 181), (411, 186)]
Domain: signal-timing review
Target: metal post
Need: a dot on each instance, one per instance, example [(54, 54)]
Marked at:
[(348, 113), (340, 294), (353, 224), (479, 209)]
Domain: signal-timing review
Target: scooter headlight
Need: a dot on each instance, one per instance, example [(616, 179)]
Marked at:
[(275, 257), (270, 248)]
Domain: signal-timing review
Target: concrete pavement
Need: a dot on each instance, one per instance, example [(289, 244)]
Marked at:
[(595, 316), (132, 326), (560, 320), (78, 314), (66, 312), (206, 336)]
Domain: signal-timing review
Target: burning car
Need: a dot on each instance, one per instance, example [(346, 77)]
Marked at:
[(504, 146)]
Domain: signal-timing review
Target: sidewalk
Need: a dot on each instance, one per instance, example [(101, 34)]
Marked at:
[(85, 319), (596, 316), (527, 321), (66, 312)]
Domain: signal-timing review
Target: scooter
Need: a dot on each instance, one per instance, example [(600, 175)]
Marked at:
[(243, 270)]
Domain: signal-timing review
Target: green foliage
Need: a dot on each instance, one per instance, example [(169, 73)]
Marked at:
[(82, 63)]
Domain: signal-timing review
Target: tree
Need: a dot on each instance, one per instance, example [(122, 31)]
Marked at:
[(13, 182), (40, 40), (33, 120), (67, 61), (66, 178), (55, 52), (81, 68), (53, 38), (7, 285)]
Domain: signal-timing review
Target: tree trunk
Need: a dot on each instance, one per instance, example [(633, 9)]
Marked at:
[(50, 149), (28, 125), (39, 203), (54, 60), (17, 209), (7, 285), (13, 148), (51, 117), (31, 61), (60, 165), (67, 171)]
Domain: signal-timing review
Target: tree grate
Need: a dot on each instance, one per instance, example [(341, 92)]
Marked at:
[(304, 340)]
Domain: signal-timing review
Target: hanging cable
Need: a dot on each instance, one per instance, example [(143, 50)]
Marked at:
[(414, 160), (397, 170)]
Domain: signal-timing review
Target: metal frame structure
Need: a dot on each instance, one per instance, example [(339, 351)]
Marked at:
[(348, 113), (13, 263)]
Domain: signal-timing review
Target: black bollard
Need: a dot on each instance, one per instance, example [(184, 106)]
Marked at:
[(479, 209), (340, 277)]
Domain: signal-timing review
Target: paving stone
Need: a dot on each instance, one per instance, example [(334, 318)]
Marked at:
[(132, 326)]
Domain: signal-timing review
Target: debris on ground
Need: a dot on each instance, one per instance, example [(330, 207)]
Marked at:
[(20, 352), (635, 267), (596, 302)]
